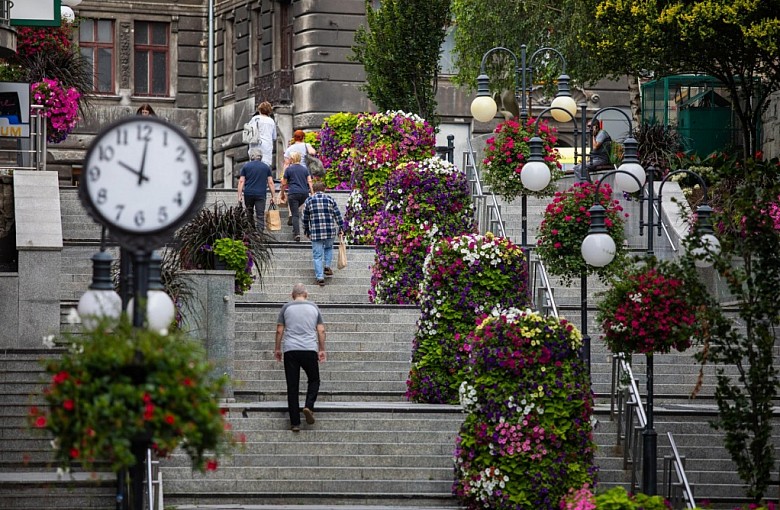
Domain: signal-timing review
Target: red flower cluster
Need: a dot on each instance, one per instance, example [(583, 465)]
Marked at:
[(651, 313), (43, 40)]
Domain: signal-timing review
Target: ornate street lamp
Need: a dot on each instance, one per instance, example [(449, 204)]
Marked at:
[(484, 108), (598, 249)]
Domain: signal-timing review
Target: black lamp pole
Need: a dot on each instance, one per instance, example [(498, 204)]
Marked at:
[(703, 227)]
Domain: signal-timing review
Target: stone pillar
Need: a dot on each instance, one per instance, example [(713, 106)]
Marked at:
[(210, 316), (39, 241)]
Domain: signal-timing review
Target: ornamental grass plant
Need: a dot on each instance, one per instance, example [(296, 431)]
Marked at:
[(195, 241), (425, 201), (527, 437), (381, 142), (463, 278), (116, 386), (565, 225), (507, 152)]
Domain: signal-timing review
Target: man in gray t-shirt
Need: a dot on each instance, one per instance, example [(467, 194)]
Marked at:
[(300, 335)]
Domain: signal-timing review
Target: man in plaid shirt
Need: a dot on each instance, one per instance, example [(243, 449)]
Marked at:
[(321, 222)]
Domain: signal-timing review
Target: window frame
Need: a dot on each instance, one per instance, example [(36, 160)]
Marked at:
[(149, 49), (95, 46)]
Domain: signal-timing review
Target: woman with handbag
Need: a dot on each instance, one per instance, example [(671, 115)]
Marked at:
[(301, 147), (296, 186)]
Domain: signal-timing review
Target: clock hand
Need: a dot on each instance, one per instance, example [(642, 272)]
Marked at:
[(141, 176), (136, 172)]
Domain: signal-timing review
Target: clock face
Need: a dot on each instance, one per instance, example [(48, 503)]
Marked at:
[(142, 176)]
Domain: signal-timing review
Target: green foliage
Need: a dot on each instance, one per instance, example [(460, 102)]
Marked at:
[(508, 23), (235, 255), (618, 499), (196, 239), (400, 53), (749, 263), (735, 41), (118, 384)]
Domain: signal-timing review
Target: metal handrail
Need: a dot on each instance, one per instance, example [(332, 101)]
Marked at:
[(628, 402), (494, 213), (154, 483), (32, 157), (679, 491), (495, 209)]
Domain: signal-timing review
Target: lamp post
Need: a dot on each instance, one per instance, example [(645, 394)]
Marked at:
[(141, 201), (630, 166), (562, 108), (598, 249)]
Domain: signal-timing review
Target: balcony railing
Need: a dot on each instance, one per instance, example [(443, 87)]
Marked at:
[(276, 87)]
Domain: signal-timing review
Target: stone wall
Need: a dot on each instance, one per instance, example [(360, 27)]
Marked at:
[(770, 131)]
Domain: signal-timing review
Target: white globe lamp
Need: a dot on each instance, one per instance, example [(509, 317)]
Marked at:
[(483, 107), (100, 301), (598, 250), (634, 177), (564, 101)]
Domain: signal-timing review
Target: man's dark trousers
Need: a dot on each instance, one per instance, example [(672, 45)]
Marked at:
[(293, 362)]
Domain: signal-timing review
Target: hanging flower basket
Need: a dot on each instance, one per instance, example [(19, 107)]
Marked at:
[(649, 309), (117, 385), (565, 225), (61, 108), (507, 152)]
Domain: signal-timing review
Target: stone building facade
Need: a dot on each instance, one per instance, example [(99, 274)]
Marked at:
[(293, 53)]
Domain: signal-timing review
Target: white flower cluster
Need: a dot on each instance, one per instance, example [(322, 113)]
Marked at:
[(635, 297), (486, 483), (525, 406), (438, 166), (618, 327), (412, 116), (468, 398)]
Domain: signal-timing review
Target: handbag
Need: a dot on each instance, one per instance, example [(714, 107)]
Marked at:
[(341, 262), (316, 168), (273, 221)]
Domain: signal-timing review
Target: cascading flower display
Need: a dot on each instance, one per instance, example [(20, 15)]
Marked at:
[(381, 142), (336, 148), (425, 201), (463, 278), (61, 108), (527, 437), (118, 384), (565, 225), (649, 308), (507, 152)]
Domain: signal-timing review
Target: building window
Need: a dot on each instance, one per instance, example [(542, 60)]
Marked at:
[(229, 47), (96, 40), (151, 50)]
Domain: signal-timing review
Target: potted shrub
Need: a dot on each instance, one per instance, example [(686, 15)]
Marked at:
[(196, 241)]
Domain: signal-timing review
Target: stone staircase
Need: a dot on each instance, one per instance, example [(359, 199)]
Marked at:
[(369, 448)]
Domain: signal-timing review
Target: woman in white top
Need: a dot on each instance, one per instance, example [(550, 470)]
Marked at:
[(299, 146)]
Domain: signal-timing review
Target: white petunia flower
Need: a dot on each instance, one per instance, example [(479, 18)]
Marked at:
[(48, 341)]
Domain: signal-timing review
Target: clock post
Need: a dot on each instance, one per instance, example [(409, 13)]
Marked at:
[(143, 180)]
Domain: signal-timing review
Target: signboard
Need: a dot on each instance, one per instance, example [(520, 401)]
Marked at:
[(41, 13), (14, 110)]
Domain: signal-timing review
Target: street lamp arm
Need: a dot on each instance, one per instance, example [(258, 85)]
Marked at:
[(491, 51), (548, 49), (550, 109), (689, 172), (616, 172), (615, 109)]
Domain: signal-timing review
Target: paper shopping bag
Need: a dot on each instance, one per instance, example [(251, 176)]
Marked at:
[(341, 262), (272, 219)]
